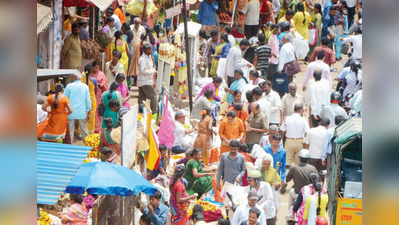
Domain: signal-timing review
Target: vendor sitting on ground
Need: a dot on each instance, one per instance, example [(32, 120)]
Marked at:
[(202, 103), (185, 160), (214, 86), (109, 156), (199, 179), (180, 132), (156, 210), (161, 170)]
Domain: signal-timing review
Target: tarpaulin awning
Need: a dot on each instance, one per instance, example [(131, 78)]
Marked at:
[(44, 17), (57, 164), (348, 130), (45, 74), (101, 4)]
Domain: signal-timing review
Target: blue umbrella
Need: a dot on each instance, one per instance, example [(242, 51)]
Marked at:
[(108, 179)]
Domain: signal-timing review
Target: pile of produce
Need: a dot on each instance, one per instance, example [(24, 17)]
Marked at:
[(241, 19), (44, 218), (92, 140), (224, 17)]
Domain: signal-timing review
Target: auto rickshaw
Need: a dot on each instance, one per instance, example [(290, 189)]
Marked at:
[(345, 179)]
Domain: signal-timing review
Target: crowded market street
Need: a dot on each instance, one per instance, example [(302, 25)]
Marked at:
[(222, 112)]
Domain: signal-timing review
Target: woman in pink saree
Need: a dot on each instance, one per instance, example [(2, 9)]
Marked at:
[(76, 213), (123, 89), (102, 87)]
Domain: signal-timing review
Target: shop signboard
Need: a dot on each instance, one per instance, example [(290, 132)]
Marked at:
[(128, 141)]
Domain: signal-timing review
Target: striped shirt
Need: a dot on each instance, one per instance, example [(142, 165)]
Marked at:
[(122, 111), (263, 52)]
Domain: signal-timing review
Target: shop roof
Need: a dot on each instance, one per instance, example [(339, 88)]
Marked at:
[(348, 130), (45, 74), (56, 166), (44, 17)]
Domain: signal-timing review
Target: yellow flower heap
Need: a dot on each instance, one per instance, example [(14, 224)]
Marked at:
[(92, 140), (207, 207), (44, 218)]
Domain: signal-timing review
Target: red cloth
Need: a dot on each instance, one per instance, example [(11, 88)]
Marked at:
[(212, 216)]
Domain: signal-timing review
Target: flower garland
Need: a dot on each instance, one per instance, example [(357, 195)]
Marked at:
[(92, 140)]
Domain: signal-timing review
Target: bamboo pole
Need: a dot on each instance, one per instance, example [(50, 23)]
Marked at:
[(189, 69)]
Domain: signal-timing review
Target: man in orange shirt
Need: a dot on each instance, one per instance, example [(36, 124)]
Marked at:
[(241, 112)]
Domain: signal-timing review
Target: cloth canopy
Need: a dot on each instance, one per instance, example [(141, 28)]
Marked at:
[(46, 74), (101, 4), (109, 179), (44, 17)]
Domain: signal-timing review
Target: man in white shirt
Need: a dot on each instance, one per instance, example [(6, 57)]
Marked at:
[(235, 61), (180, 132), (251, 10), (317, 96), (145, 79), (264, 189), (319, 63), (232, 40), (333, 110), (314, 142), (242, 212), (286, 55), (357, 41), (267, 139), (117, 24), (264, 104), (137, 30), (294, 128), (289, 100), (113, 67), (275, 102)]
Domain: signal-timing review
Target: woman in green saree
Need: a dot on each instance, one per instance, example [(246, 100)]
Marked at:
[(199, 179), (221, 51)]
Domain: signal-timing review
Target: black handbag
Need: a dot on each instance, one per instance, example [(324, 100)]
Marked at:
[(345, 48), (101, 109)]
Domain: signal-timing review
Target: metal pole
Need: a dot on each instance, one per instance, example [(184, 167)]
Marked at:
[(188, 58)]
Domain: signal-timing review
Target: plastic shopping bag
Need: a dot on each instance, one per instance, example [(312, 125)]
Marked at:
[(276, 198), (301, 46), (313, 36)]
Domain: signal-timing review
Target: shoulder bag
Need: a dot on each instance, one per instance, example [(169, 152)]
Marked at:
[(101, 109), (292, 68)]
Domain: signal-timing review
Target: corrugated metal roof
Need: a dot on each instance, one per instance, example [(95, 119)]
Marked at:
[(44, 17), (56, 166)]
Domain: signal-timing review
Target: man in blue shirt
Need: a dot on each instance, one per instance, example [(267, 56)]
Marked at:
[(327, 146), (328, 21), (206, 13), (279, 156), (157, 211), (79, 96), (327, 7)]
